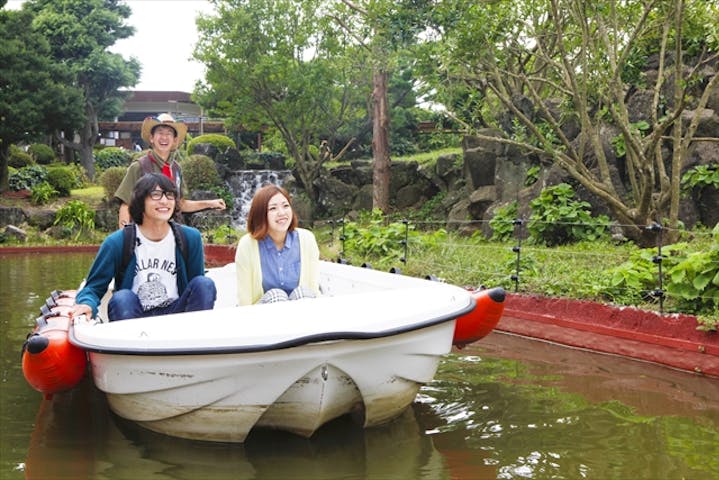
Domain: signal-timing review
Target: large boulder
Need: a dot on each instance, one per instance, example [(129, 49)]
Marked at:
[(106, 217), (335, 198), (511, 173), (12, 216), (480, 200), (231, 159), (415, 194), (363, 199), (402, 174), (480, 158), (207, 149), (640, 105), (357, 173), (707, 201), (708, 125), (43, 218)]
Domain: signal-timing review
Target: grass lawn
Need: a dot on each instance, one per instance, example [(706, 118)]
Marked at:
[(90, 195)]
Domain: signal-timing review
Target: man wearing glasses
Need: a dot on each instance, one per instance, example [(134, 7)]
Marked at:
[(165, 268), (164, 135)]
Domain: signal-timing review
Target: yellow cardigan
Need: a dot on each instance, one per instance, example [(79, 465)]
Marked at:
[(249, 270)]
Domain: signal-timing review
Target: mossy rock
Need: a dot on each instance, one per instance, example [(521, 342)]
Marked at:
[(41, 219)]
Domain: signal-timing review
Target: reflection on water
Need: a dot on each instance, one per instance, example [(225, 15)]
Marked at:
[(506, 407), (27, 280), (536, 410), (76, 437)]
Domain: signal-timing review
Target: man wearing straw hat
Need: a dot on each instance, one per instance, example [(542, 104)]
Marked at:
[(164, 135)]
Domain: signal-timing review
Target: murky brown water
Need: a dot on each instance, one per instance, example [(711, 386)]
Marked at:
[(506, 407)]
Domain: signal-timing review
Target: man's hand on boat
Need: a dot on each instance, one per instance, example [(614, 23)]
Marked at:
[(79, 311)]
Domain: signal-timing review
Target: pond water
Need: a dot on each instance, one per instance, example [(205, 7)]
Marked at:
[(506, 407)]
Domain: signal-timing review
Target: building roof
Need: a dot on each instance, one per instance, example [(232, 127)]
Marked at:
[(146, 103), (141, 104), (159, 96)]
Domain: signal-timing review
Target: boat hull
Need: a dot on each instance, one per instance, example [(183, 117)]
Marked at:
[(222, 397)]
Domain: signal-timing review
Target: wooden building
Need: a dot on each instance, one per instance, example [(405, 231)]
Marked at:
[(125, 130)]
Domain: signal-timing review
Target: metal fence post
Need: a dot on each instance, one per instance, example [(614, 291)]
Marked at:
[(518, 250), (404, 242), (658, 259), (341, 221)]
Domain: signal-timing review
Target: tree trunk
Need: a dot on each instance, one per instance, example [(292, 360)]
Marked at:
[(68, 154), (88, 138), (4, 175), (380, 141)]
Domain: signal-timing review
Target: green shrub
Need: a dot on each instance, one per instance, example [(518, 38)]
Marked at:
[(112, 157), (370, 237), (41, 153), (79, 175), (27, 177), (76, 216), (42, 193), (222, 142), (223, 235), (694, 279), (632, 281), (532, 175), (17, 158), (110, 179), (558, 219), (702, 176), (502, 222), (429, 209), (224, 193), (691, 276), (200, 172), (62, 179)]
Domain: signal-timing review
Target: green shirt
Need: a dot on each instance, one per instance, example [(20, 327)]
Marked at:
[(133, 174)]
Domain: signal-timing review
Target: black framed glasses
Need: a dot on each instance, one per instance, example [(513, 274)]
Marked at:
[(157, 194)]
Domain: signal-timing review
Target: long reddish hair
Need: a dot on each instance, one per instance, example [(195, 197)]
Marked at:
[(257, 217)]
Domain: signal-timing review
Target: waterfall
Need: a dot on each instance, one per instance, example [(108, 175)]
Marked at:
[(243, 184)]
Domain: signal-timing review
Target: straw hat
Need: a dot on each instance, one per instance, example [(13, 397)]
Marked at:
[(149, 124)]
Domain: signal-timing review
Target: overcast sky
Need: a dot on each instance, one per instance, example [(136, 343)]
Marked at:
[(165, 35)]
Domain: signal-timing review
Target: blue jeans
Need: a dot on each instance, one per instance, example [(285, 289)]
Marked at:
[(200, 294)]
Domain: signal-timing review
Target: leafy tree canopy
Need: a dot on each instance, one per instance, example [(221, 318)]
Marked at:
[(33, 92), (554, 76), (275, 62), (79, 33)]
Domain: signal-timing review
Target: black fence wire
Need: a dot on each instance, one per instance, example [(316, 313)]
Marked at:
[(513, 271)]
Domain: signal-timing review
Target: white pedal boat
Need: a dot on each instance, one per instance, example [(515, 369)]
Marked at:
[(364, 348)]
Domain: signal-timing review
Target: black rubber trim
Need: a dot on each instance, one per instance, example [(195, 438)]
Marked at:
[(295, 342), (497, 294)]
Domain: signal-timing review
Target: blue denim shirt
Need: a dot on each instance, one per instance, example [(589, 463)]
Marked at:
[(280, 269)]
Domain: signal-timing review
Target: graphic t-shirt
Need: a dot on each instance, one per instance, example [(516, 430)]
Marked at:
[(155, 281)]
